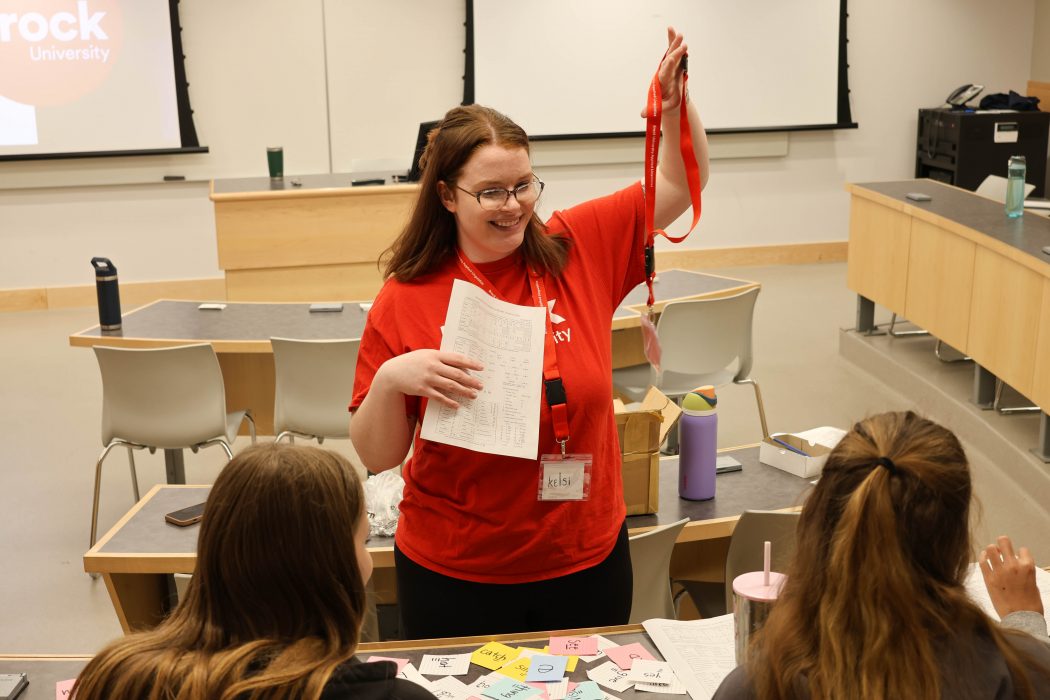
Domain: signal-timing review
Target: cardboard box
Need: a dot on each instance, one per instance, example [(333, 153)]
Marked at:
[(641, 431), (816, 443)]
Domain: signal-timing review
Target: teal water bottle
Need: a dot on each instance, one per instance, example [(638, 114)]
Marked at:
[(1015, 173)]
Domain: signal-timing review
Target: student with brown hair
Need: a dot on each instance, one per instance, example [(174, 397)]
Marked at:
[(479, 548), (874, 605), (275, 606)]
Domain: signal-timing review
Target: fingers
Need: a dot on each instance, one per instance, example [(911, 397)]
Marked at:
[(1024, 557), (1006, 546)]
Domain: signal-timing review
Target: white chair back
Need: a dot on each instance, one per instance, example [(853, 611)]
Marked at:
[(163, 397), (651, 564), (314, 385), (705, 337)]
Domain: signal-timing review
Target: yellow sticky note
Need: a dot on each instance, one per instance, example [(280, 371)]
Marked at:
[(516, 669), (493, 655), (570, 665)]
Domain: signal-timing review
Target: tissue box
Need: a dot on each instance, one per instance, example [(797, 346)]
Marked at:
[(641, 432), (816, 443)]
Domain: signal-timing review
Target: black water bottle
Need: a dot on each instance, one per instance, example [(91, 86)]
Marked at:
[(108, 294)]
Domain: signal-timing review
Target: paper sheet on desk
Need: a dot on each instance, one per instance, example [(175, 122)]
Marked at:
[(701, 652), (978, 592), (507, 339)]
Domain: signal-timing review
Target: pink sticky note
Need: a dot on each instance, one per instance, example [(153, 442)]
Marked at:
[(624, 656), (573, 646), (64, 688), (400, 662), (542, 687)]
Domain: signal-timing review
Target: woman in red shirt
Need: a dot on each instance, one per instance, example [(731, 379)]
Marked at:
[(477, 550)]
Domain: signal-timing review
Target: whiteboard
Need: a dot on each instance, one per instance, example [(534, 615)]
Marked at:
[(581, 67)]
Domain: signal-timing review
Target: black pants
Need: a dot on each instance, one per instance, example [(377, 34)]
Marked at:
[(435, 605)]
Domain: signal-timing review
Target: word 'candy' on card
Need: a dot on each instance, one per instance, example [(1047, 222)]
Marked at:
[(445, 665), (626, 655), (510, 689), (493, 655), (545, 668), (574, 646)]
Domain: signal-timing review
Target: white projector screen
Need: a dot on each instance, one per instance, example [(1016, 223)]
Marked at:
[(89, 77), (570, 68)]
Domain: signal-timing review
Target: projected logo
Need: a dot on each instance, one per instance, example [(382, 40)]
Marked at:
[(52, 52)]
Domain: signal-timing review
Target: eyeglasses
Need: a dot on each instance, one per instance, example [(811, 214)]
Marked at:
[(495, 198)]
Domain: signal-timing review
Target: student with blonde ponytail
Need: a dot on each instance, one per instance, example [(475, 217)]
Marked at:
[(874, 605), (275, 606)]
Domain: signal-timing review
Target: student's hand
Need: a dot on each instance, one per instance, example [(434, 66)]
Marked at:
[(432, 374), (670, 71), (1010, 578)]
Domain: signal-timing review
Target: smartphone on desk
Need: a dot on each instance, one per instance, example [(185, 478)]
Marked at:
[(186, 516)]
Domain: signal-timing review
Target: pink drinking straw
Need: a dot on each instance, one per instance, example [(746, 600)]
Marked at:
[(767, 553)]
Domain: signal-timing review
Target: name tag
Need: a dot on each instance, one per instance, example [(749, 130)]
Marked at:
[(565, 477)]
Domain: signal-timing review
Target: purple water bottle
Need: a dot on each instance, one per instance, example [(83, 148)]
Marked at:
[(698, 440)]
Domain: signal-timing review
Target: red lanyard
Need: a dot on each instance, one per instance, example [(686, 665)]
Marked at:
[(552, 384), (653, 112)]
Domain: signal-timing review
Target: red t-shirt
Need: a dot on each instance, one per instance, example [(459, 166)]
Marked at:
[(476, 516)]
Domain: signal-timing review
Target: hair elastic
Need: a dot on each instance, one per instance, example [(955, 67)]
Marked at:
[(887, 463)]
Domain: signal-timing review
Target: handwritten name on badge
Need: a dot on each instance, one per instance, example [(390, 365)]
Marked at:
[(493, 655), (563, 481)]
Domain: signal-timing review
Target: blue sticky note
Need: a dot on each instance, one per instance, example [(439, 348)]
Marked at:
[(545, 668), (588, 690), (510, 689)]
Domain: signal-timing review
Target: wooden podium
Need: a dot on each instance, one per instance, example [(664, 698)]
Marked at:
[(314, 242)]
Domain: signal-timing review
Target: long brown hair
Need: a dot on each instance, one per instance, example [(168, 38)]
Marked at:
[(276, 601), (875, 590), (429, 238)]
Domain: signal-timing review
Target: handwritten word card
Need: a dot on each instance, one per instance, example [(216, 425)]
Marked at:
[(574, 646), (546, 668), (626, 655), (493, 655), (445, 665)]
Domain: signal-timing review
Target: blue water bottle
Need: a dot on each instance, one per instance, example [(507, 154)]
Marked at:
[(1015, 172), (698, 438)]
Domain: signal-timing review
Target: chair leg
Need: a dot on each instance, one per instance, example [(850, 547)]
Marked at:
[(902, 334), (761, 404), (251, 426), (282, 434), (98, 489), (997, 402), (229, 452), (134, 473)]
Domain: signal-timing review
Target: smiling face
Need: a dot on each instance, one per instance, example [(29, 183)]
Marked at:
[(486, 236)]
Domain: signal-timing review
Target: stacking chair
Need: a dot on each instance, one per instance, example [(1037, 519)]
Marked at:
[(701, 340), (651, 563), (746, 553), (164, 398), (314, 384)]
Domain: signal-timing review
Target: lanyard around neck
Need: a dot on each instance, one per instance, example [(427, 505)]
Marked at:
[(653, 114), (554, 389)]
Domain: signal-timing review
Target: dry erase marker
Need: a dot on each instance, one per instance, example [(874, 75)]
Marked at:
[(789, 447)]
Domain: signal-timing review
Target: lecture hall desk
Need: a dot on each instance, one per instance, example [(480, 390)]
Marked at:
[(44, 671), (138, 555), (241, 332), (958, 267)]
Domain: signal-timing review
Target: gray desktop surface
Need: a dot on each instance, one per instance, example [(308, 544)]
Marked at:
[(247, 321), (756, 487), (250, 185), (1027, 233), (43, 673), (183, 320)]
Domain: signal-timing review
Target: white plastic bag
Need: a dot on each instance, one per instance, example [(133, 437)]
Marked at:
[(382, 498)]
